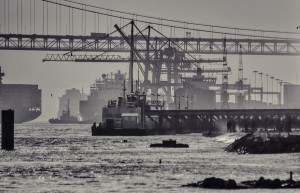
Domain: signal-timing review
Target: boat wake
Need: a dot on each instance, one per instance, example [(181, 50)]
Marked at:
[(229, 137)]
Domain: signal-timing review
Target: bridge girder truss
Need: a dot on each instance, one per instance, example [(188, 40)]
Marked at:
[(117, 44)]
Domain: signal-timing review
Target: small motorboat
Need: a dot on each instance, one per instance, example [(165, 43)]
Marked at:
[(170, 144)]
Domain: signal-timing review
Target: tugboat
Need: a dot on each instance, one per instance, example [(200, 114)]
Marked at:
[(170, 144), (126, 117), (66, 117), (122, 117)]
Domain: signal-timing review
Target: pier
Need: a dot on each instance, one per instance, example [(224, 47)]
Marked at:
[(203, 120)]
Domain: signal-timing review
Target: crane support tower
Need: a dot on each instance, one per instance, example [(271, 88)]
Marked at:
[(240, 97), (224, 94)]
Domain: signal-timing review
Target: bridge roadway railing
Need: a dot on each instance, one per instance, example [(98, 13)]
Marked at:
[(202, 120), (249, 46)]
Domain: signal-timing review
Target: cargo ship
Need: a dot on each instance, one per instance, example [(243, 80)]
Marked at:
[(24, 99), (101, 91)]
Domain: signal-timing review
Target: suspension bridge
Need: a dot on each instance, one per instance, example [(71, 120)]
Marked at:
[(158, 46), (65, 25)]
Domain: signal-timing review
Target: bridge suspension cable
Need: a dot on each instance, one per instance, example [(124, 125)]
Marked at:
[(178, 21), (212, 31)]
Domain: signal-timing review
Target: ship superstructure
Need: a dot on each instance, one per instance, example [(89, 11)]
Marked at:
[(104, 88)]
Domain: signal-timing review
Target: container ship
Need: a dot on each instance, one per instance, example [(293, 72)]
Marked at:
[(24, 99), (104, 88)]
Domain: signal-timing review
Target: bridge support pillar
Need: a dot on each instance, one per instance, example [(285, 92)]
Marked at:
[(8, 130)]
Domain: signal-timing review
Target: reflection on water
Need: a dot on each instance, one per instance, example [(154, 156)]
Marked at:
[(66, 158)]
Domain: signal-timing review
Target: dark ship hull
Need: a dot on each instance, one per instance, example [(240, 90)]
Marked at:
[(58, 121), (24, 99), (170, 144)]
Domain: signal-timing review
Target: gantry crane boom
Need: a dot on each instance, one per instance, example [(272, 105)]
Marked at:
[(118, 58)]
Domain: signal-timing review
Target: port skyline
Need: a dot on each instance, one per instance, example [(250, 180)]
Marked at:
[(54, 78)]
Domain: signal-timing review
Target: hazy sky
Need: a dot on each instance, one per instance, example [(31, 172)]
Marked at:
[(53, 77)]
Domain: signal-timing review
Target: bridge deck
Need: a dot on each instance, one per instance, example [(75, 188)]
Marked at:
[(249, 46)]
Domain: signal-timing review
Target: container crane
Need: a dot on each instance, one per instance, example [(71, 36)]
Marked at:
[(170, 61)]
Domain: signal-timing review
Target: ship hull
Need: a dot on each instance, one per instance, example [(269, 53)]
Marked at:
[(57, 121), (22, 115), (23, 99)]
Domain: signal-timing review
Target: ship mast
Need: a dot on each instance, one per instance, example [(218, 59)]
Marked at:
[(2, 74), (124, 90), (68, 106)]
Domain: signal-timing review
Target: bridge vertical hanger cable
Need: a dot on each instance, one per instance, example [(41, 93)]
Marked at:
[(43, 25), (95, 22), (21, 16), (158, 24), (56, 18), (8, 17), (185, 29), (69, 21), (82, 21), (85, 20), (30, 13), (47, 18), (34, 16), (72, 12), (161, 26), (111, 24), (174, 31), (4, 8), (59, 19), (98, 22), (107, 22), (17, 16)]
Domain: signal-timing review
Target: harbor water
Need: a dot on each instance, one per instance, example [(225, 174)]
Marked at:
[(66, 158)]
